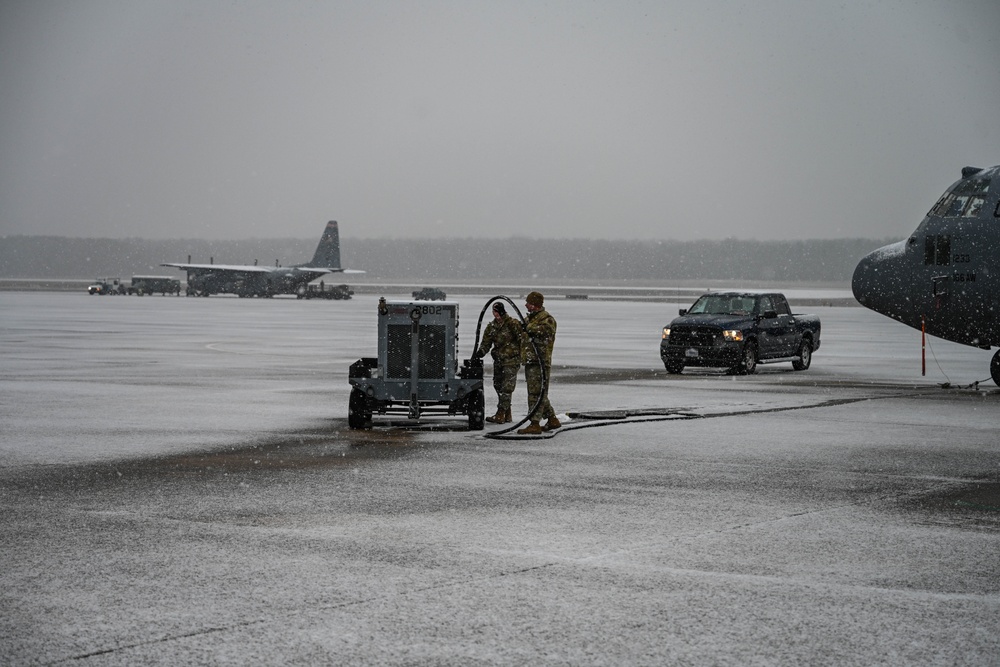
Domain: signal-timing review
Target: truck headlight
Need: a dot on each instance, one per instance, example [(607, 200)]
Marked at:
[(733, 335), (666, 333)]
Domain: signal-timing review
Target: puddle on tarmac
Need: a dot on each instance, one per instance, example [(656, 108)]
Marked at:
[(976, 504), (321, 447), (329, 445)]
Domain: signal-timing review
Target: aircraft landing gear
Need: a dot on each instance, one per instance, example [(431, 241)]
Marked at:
[(995, 368)]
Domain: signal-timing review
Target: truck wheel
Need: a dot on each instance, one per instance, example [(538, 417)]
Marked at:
[(748, 364), (805, 355), (477, 410), (358, 414), (995, 368), (674, 367)]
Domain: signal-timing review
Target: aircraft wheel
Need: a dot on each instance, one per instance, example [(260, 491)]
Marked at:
[(995, 368), (805, 355), (674, 367), (477, 410), (359, 416)]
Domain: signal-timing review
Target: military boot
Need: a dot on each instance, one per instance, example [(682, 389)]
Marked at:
[(497, 418), (552, 424), (506, 417), (531, 429)]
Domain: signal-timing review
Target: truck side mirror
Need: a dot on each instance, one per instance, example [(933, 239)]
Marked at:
[(770, 314), (682, 312)]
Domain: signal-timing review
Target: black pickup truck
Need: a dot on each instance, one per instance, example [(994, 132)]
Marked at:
[(738, 330)]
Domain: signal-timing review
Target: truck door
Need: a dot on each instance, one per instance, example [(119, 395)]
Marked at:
[(769, 330), (786, 324)]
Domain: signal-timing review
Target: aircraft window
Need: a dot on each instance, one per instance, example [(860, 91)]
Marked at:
[(956, 206), (944, 205), (996, 213), (929, 250), (939, 205), (975, 207)]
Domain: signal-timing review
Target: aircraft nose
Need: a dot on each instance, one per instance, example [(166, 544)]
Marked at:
[(880, 280), (863, 279)]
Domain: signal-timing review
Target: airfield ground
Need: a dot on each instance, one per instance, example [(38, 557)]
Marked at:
[(180, 487)]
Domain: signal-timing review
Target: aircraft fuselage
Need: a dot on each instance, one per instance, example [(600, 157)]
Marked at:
[(946, 275), (204, 282)]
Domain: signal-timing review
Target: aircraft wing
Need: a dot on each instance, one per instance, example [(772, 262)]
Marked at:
[(246, 268), (318, 270), (222, 267)]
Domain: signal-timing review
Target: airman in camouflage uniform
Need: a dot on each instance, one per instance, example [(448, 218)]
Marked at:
[(536, 353), (503, 335)]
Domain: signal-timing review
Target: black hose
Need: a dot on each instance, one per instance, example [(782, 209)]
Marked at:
[(541, 364)]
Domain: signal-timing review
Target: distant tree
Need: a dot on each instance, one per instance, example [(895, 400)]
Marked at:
[(430, 260)]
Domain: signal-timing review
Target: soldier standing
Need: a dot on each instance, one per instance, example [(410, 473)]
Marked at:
[(503, 335), (536, 353)]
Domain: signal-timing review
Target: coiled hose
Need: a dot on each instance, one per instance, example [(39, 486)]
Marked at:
[(541, 365)]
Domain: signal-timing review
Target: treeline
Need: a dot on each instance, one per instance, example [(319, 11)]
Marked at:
[(453, 260)]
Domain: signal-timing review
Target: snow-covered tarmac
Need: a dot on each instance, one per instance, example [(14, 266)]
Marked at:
[(180, 487)]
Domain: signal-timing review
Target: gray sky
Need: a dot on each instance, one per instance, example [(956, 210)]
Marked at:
[(638, 120)]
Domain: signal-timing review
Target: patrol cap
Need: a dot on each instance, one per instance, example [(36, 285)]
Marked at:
[(535, 299), (498, 307)]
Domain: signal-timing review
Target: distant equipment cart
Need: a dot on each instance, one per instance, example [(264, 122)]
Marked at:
[(430, 294), (143, 285), (106, 286), (417, 370), (324, 291)]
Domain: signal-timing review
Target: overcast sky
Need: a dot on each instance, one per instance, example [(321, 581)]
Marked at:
[(762, 119)]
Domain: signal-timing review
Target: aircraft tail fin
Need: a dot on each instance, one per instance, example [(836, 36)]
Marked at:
[(328, 251)]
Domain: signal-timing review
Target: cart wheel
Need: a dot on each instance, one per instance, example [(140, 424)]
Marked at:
[(358, 414), (477, 410)]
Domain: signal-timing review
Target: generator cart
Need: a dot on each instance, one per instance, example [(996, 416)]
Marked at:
[(417, 370)]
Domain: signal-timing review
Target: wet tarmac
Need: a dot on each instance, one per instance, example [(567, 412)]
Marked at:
[(849, 514)]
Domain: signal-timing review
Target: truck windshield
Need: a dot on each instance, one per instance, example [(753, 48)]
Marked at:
[(723, 305)]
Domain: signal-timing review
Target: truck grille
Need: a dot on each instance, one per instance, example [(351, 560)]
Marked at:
[(431, 352), (694, 336)]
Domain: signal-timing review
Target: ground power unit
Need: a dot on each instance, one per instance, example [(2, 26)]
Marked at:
[(417, 371)]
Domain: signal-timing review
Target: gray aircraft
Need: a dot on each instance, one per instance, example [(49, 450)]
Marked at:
[(266, 281), (945, 278)]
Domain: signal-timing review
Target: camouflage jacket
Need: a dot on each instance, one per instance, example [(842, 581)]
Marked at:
[(540, 329), (504, 337)]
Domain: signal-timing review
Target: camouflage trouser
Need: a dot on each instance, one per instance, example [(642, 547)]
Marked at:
[(504, 382), (533, 378)]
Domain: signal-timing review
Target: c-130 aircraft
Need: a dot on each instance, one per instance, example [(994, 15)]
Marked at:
[(265, 281), (946, 276)]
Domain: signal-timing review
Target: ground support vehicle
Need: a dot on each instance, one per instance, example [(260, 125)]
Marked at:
[(738, 330), (430, 294), (323, 291), (107, 286), (417, 370), (143, 285)]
